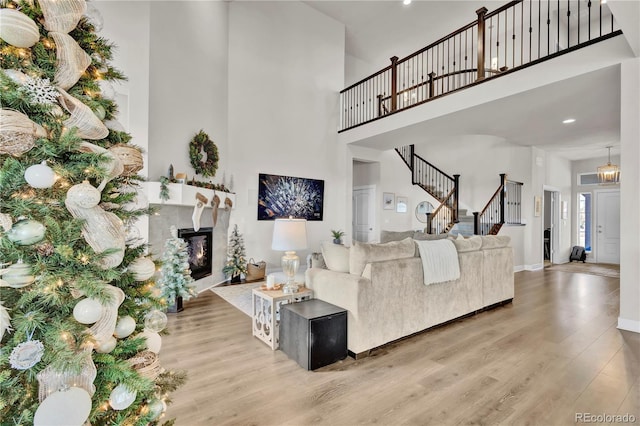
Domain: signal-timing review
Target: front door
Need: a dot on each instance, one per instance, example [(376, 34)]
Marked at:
[(364, 214), (608, 227)]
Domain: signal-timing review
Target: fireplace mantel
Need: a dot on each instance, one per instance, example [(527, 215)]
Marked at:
[(185, 195)]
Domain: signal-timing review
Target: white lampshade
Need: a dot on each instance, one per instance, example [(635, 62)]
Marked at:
[(289, 234)]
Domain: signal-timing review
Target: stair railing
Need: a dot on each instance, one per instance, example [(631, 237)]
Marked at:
[(505, 206), (436, 183), (517, 35)]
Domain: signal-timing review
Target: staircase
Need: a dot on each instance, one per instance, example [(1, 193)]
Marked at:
[(439, 185), (503, 207)]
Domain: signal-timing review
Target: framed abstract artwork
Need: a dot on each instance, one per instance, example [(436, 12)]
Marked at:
[(388, 201), (401, 204), (284, 196)]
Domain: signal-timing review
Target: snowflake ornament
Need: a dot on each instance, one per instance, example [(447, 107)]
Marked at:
[(40, 90)]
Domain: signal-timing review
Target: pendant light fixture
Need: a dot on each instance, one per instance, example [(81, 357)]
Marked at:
[(609, 173)]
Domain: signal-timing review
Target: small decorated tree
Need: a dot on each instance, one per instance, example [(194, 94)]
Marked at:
[(175, 276), (236, 257)]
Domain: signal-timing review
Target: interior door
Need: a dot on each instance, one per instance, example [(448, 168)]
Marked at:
[(364, 214), (608, 227)]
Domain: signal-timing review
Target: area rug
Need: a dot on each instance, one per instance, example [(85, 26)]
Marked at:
[(602, 269), (239, 295)]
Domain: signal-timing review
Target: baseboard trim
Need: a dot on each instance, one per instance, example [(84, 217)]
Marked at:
[(534, 267), (518, 268), (629, 325)]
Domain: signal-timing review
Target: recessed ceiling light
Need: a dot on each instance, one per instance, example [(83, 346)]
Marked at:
[(568, 121), (406, 2)]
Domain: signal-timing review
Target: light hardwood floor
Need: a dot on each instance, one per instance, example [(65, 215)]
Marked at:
[(553, 353)]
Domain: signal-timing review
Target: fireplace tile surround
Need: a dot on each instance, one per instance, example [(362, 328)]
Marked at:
[(180, 216)]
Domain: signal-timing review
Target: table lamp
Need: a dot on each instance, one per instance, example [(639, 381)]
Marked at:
[(290, 235)]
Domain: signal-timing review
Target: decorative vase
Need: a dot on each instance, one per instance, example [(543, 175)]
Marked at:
[(235, 279), (176, 307), (337, 241)]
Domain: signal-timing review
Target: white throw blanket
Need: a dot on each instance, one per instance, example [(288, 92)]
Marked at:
[(439, 261)]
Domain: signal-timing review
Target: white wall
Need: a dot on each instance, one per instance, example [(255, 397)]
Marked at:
[(188, 74), (286, 66), (630, 197), (558, 177)]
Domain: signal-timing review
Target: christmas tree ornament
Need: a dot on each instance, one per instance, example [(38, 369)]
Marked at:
[(87, 311), (40, 91), (132, 236), (51, 380), (131, 158), (89, 126), (107, 346), (100, 112), (5, 222), (40, 176), (56, 111), (5, 320), (102, 230), (45, 249), (106, 90), (94, 17), (121, 397), (16, 76), (68, 406), (72, 61), (18, 133), (156, 408), (26, 354), (201, 201), (26, 232), (142, 268), (18, 29), (155, 320), (18, 275), (124, 327), (153, 339), (62, 16), (147, 364)]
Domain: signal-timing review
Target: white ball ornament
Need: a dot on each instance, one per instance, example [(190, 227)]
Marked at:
[(124, 327), (17, 76), (121, 397), (107, 346), (64, 407), (142, 268), (154, 341), (87, 311), (84, 195), (26, 232), (155, 320), (18, 29), (100, 112), (156, 407), (40, 176)]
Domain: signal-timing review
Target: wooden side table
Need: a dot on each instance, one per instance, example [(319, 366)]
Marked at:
[(266, 312)]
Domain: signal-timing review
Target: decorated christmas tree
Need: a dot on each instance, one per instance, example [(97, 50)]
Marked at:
[(79, 319), (236, 257), (175, 276)]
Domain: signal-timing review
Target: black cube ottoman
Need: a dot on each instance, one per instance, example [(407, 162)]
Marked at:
[(313, 333)]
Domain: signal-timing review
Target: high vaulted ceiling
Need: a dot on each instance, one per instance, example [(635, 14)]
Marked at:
[(377, 30)]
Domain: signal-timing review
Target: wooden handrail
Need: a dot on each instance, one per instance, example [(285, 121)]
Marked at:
[(495, 194), (387, 68), (446, 200), (431, 165)]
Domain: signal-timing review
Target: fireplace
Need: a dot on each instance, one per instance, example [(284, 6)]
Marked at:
[(200, 252)]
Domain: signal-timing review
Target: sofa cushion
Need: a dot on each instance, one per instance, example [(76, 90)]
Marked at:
[(336, 256), (363, 253), (316, 260), (388, 236), (495, 241), (464, 245)]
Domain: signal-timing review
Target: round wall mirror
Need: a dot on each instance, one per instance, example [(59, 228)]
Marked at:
[(422, 209)]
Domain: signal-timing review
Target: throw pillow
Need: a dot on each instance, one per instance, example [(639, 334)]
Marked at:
[(363, 253), (317, 261), (336, 256), (467, 244), (388, 236)]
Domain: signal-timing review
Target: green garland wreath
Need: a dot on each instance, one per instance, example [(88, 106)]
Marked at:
[(199, 143)]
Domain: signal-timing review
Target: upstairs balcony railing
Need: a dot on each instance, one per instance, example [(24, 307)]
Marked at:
[(516, 35)]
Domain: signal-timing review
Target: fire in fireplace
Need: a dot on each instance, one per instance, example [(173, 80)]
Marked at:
[(200, 252)]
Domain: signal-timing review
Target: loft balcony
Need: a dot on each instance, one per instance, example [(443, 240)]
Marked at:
[(513, 37)]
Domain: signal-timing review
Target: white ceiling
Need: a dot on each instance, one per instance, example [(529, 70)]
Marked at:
[(377, 30)]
